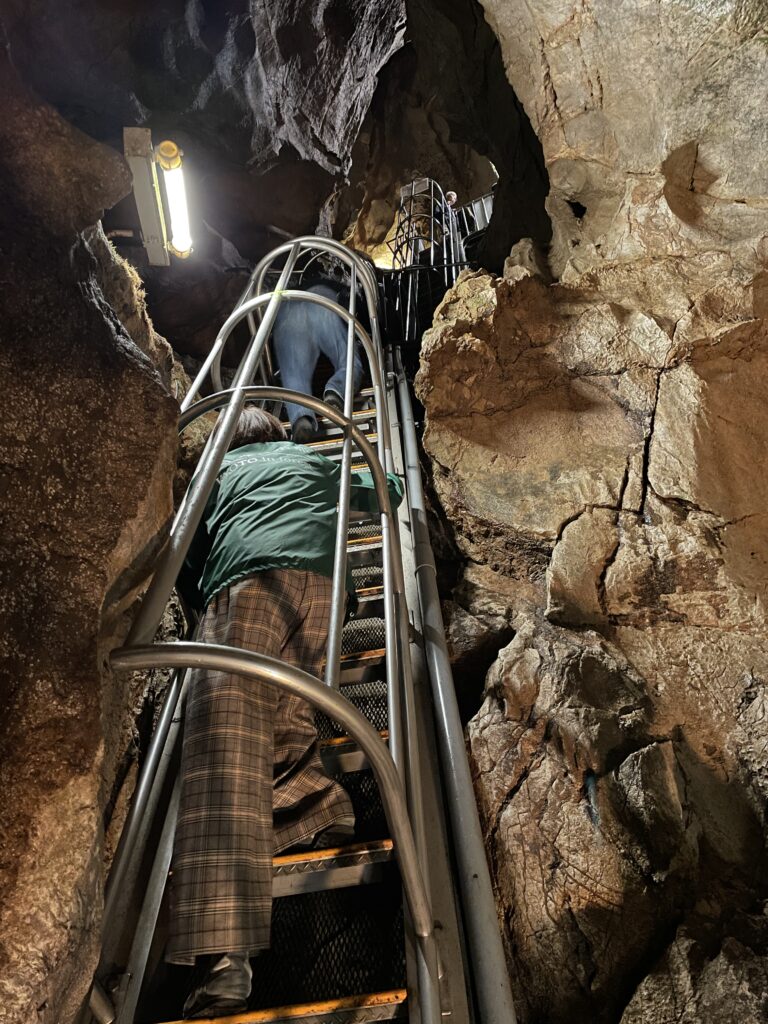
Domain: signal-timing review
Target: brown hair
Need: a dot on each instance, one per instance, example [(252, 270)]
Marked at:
[(256, 426)]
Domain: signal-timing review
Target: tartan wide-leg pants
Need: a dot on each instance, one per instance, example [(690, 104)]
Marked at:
[(252, 780)]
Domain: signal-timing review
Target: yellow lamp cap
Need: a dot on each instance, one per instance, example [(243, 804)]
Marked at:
[(168, 155)]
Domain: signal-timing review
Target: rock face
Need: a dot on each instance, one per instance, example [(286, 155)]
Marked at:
[(602, 466), (266, 98), (596, 446), (89, 446), (443, 108), (693, 984), (649, 116)]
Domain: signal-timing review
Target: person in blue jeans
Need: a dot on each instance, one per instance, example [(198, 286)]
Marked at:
[(302, 332)]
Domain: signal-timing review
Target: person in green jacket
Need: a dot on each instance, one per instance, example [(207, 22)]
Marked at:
[(252, 782)]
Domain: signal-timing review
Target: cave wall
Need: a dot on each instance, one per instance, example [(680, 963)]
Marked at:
[(89, 447), (443, 109), (266, 101), (597, 447)]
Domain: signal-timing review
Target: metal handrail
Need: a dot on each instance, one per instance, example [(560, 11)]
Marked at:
[(488, 959), (192, 508), (287, 677)]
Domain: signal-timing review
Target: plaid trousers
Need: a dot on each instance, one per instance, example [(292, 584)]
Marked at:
[(252, 780)]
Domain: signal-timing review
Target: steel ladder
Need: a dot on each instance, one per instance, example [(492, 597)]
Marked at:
[(380, 959)]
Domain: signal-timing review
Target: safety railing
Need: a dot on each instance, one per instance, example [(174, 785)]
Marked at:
[(400, 787), (426, 231), (427, 255), (475, 215)]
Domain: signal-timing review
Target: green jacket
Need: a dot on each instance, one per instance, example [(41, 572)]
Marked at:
[(273, 506)]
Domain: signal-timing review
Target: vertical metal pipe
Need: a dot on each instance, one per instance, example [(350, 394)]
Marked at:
[(213, 359), (150, 908), (141, 795), (191, 511), (338, 593), (487, 951)]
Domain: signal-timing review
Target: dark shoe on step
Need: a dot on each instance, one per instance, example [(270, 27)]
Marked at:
[(336, 835), (303, 430), (223, 990), (334, 399)]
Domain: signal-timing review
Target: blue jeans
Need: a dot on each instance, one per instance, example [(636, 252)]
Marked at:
[(302, 331)]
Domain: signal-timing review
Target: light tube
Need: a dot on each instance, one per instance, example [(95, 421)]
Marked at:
[(169, 158), (176, 194)]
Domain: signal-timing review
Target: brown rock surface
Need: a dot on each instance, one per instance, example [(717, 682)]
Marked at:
[(648, 115), (593, 846), (605, 463), (598, 443), (88, 442), (444, 108), (694, 983)]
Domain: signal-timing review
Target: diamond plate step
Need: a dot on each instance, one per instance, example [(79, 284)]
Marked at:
[(362, 1009), (331, 446), (338, 868), (361, 636)]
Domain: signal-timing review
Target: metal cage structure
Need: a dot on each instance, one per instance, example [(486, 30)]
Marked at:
[(421, 734)]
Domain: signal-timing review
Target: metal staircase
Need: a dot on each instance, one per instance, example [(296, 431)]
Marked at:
[(400, 924)]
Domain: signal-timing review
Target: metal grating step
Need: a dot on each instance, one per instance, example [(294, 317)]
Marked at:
[(370, 820), (367, 576), (296, 874), (359, 530), (324, 946), (332, 944), (369, 698), (363, 635)]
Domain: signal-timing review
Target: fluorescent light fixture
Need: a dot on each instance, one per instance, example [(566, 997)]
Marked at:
[(169, 157), (137, 143)]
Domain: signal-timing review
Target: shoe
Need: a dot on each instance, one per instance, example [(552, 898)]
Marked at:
[(224, 990), (334, 399), (303, 430)]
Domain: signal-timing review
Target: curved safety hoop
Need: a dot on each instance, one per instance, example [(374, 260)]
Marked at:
[(295, 295), (403, 749), (320, 245), (259, 666)]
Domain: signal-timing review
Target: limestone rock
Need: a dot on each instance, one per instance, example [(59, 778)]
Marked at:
[(123, 290), (596, 443), (478, 623), (442, 106), (584, 813), (691, 986), (647, 115), (538, 409), (576, 573), (89, 446)]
